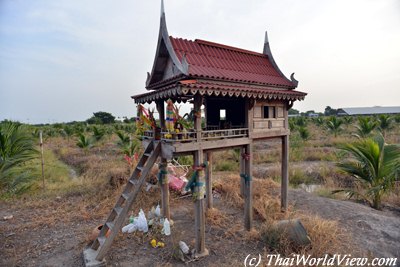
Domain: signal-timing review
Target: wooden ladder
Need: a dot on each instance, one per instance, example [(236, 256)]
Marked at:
[(94, 255)]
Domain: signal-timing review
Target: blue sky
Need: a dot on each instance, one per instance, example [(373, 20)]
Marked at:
[(63, 60)]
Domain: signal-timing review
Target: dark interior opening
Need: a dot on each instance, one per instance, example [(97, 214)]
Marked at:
[(234, 113)]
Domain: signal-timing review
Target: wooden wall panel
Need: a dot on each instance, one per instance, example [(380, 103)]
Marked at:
[(257, 111)]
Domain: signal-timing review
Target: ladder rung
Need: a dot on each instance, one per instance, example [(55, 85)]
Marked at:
[(110, 225), (125, 196), (118, 210), (101, 240), (133, 181), (140, 168), (147, 154)]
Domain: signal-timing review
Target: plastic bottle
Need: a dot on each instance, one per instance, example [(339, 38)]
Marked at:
[(142, 222), (157, 212), (183, 247), (167, 227)]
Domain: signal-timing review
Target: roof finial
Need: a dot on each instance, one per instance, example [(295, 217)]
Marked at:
[(294, 81), (268, 53), (266, 50), (162, 8), (266, 37)]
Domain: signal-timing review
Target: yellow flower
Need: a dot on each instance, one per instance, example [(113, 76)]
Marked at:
[(153, 243), (160, 244)]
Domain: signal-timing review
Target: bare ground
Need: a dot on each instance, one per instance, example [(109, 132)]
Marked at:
[(24, 243), (376, 232), (31, 239)]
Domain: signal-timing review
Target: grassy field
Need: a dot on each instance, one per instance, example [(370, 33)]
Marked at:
[(84, 175)]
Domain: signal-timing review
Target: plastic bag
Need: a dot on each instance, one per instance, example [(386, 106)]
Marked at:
[(142, 222)]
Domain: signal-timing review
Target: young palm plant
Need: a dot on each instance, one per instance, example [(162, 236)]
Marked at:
[(68, 131), (304, 133), (365, 126), (123, 139), (334, 125), (375, 165), (385, 123), (16, 148), (301, 121), (319, 121), (84, 142), (347, 120), (98, 133)]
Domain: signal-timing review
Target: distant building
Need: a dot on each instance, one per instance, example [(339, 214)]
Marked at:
[(367, 111)]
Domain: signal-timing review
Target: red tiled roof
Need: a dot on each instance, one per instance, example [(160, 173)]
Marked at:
[(217, 61)]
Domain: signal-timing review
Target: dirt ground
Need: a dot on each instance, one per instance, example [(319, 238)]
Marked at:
[(30, 239), (61, 244), (376, 232)]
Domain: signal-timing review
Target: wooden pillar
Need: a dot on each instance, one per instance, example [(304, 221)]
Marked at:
[(248, 167), (198, 100), (242, 169), (285, 161), (161, 113), (248, 188), (199, 188), (285, 172), (163, 178), (208, 158), (199, 208)]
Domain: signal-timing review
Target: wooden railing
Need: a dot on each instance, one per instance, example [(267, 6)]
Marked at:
[(191, 135), (226, 133)]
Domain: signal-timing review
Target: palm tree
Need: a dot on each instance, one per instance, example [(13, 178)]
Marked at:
[(304, 133), (124, 139), (68, 131), (292, 124), (334, 125), (84, 142), (319, 121), (375, 165), (98, 133), (385, 123), (301, 121), (365, 126), (16, 148), (347, 120)]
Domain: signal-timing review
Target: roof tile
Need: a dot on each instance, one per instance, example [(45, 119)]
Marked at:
[(217, 61)]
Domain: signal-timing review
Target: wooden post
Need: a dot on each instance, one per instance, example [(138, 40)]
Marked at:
[(199, 190), (42, 156), (248, 188), (198, 99), (248, 183), (209, 194), (161, 113), (242, 169), (285, 172), (163, 179), (199, 209)]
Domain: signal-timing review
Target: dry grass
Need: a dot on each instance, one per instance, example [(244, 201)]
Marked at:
[(326, 236), (90, 195), (216, 217)]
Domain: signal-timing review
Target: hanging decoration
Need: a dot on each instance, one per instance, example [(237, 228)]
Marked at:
[(144, 118), (170, 119)]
